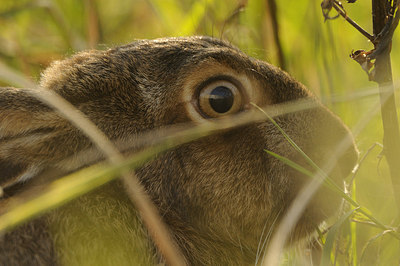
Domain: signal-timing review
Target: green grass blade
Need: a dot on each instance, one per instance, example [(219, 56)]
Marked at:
[(288, 138), (327, 250), (327, 182), (290, 163), (320, 173), (362, 210), (353, 231), (69, 187)]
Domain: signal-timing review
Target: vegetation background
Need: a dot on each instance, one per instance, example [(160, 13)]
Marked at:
[(35, 33)]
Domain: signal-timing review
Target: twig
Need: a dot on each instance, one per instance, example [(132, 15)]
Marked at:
[(384, 37), (357, 168), (339, 8)]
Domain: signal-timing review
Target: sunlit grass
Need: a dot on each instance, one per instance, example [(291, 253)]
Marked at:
[(34, 33)]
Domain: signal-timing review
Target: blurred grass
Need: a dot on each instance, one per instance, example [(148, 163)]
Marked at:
[(34, 33)]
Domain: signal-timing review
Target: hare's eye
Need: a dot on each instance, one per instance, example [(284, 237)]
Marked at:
[(219, 98)]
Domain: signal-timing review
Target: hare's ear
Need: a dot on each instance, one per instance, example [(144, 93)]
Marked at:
[(11, 174), (25, 123), (19, 112)]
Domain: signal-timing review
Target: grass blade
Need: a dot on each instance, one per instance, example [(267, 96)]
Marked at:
[(327, 250), (362, 210)]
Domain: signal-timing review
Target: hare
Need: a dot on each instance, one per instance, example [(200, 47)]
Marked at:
[(216, 194)]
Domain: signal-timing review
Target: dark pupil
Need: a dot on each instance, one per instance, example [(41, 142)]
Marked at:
[(221, 99)]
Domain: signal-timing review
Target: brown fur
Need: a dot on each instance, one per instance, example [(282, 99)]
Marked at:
[(216, 194)]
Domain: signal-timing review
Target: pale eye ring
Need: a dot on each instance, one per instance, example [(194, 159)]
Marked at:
[(219, 98)]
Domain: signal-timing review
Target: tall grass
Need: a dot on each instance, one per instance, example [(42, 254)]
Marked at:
[(36, 32)]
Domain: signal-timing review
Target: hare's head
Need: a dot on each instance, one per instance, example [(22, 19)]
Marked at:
[(222, 189)]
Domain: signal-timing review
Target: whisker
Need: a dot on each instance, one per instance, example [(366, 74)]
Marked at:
[(268, 236), (259, 242)]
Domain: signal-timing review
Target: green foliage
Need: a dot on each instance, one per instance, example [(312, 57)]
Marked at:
[(36, 32)]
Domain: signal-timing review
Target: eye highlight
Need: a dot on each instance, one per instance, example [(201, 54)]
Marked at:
[(219, 98)]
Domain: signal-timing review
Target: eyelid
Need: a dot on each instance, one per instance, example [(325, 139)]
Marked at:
[(218, 78)]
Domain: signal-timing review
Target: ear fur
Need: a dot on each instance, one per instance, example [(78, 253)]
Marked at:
[(29, 130)]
